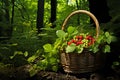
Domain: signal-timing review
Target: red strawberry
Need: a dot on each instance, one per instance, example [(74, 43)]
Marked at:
[(89, 37), (80, 37), (69, 43), (73, 41), (93, 40), (77, 37), (79, 42)]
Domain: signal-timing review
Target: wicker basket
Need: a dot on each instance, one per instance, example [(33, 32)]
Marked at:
[(86, 61)]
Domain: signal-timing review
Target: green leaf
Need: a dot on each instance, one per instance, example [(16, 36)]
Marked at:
[(43, 64), (70, 48), (11, 57), (116, 63), (75, 32), (109, 37), (47, 47), (14, 44), (33, 70), (32, 58), (107, 48), (107, 34), (113, 38), (95, 50), (60, 33), (26, 54), (55, 68), (16, 53), (109, 40), (100, 39), (52, 60), (80, 50), (70, 29)]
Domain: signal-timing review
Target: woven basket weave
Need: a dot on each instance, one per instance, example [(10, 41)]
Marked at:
[(85, 61)]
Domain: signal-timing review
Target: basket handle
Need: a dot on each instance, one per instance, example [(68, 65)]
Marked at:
[(85, 12)]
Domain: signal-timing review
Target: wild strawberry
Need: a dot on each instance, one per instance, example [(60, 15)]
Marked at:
[(69, 43), (73, 41), (93, 40), (79, 42), (89, 37), (77, 37), (89, 43), (80, 37)]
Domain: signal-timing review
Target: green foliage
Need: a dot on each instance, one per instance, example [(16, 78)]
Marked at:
[(27, 47)]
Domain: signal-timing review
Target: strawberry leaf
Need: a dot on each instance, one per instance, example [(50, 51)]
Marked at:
[(60, 33), (70, 29), (107, 48), (47, 47), (70, 48)]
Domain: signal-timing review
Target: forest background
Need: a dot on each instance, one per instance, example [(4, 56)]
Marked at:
[(26, 25)]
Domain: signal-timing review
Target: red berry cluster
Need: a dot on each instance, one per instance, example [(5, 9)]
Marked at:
[(79, 40), (90, 39)]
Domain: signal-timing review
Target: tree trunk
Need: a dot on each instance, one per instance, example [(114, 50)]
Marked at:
[(53, 12), (6, 29), (7, 16), (40, 15), (78, 7), (12, 18), (100, 9)]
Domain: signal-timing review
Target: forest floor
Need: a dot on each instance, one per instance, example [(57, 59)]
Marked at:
[(21, 73)]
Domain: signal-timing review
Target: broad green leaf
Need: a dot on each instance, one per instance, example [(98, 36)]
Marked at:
[(107, 34), (116, 63), (80, 50), (113, 38), (55, 68), (52, 60), (54, 51), (95, 49), (75, 32), (25, 53), (57, 43), (107, 48), (99, 39), (70, 29), (47, 47), (60, 33), (109, 39), (14, 44), (43, 64), (70, 48), (16, 53), (32, 58), (11, 57)]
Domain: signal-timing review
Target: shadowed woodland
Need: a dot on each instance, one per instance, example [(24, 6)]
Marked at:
[(26, 25)]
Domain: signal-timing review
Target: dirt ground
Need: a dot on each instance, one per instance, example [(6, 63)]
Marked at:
[(43, 75), (21, 73)]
